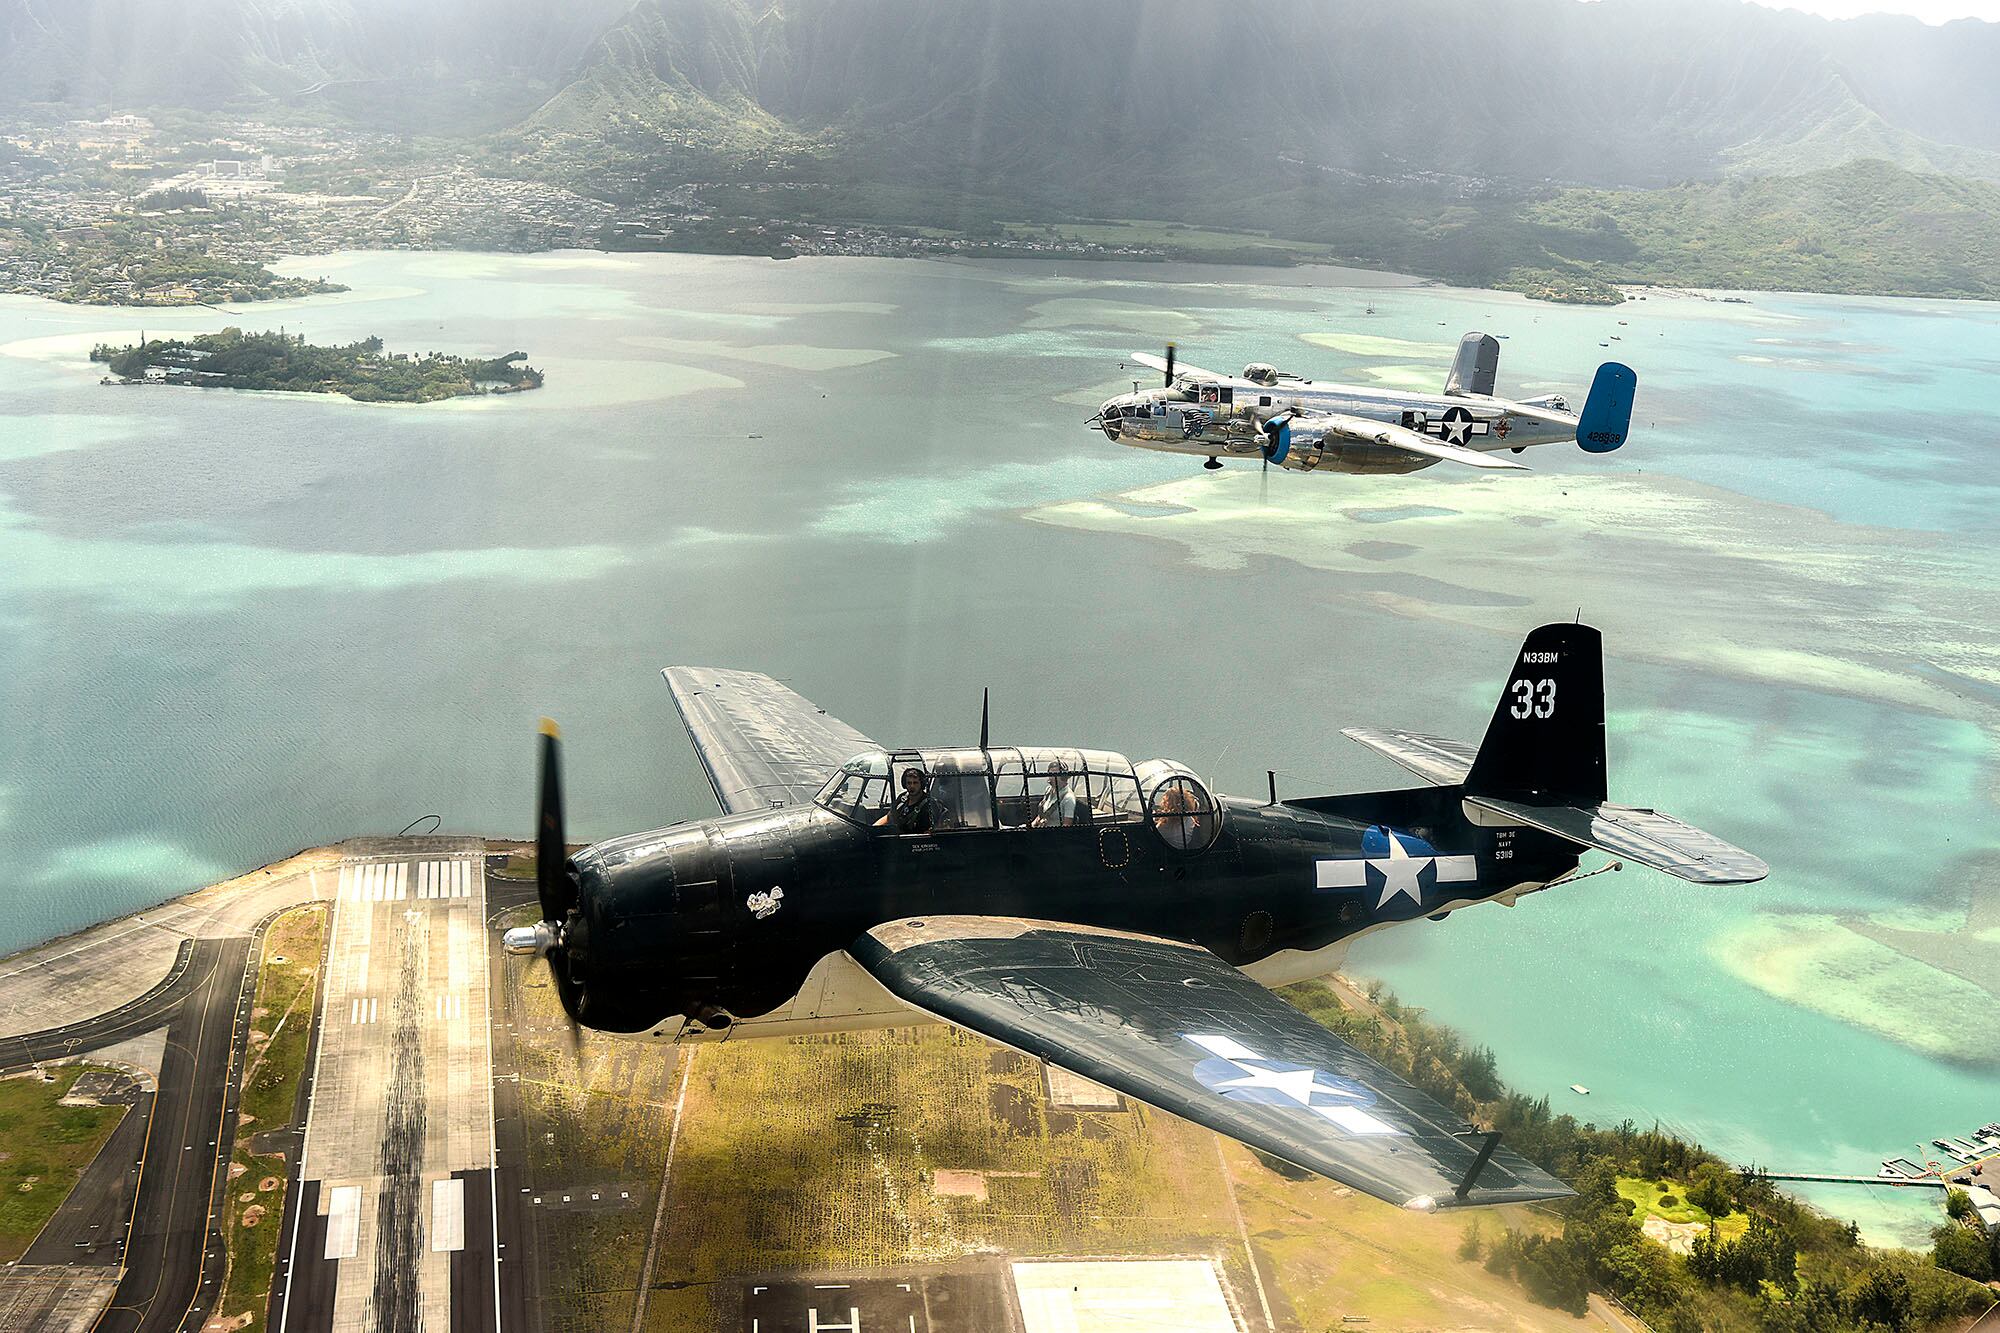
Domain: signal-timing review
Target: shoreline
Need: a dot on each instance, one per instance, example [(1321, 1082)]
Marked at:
[(1245, 273)]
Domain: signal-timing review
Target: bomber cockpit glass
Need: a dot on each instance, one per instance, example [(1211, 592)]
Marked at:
[(1178, 806), (961, 791), (950, 791), (859, 791)]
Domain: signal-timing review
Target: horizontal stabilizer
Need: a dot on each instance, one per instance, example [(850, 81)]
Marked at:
[(1648, 837), (1432, 758)]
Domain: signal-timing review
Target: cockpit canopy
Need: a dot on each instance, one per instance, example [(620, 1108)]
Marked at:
[(1020, 787)]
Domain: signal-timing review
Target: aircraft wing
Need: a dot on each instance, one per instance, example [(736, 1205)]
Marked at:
[(1159, 363), (1174, 1026), (760, 743), (1366, 430)]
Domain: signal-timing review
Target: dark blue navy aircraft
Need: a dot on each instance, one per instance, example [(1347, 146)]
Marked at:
[(1116, 920)]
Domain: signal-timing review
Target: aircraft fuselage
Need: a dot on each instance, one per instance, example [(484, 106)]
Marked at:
[(1219, 418), (739, 923)]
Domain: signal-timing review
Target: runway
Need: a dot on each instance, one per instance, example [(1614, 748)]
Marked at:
[(390, 1223)]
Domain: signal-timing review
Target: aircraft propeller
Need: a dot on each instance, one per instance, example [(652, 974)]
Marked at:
[(549, 938), (1277, 436), (1170, 367)]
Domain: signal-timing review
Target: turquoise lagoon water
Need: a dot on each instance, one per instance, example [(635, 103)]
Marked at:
[(233, 625)]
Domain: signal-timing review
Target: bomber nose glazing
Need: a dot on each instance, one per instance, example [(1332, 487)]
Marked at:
[(1108, 416)]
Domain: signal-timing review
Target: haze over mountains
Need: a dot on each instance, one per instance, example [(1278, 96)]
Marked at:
[(1099, 99), (1554, 146)]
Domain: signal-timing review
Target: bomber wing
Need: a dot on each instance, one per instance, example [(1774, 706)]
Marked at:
[(1366, 430), (1180, 368), (761, 743), (1174, 1026)]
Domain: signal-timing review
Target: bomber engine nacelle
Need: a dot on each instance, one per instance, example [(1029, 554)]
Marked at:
[(1299, 445)]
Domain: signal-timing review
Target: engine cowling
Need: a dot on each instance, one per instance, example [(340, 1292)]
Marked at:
[(1301, 445)]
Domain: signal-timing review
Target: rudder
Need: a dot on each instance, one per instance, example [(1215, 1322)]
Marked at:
[(1607, 413), (1545, 744), (1476, 367)]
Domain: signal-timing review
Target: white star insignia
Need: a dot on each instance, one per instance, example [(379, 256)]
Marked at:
[(1399, 873), (1296, 1084)]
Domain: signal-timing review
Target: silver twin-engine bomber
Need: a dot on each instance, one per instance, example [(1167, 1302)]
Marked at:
[(1303, 426)]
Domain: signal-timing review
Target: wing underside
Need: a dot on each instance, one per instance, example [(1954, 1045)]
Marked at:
[(1367, 430), (760, 743), (1174, 1026)]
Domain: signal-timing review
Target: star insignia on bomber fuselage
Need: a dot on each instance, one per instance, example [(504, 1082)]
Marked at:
[(1395, 865), (1458, 426)]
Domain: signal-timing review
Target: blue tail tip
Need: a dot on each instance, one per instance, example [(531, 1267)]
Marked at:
[(1607, 413)]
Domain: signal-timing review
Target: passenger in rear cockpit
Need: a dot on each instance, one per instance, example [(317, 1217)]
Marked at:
[(1058, 808)]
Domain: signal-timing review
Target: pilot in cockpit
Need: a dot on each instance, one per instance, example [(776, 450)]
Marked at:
[(1058, 808), (912, 811)]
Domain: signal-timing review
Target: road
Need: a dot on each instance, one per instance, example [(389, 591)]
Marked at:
[(171, 1253)]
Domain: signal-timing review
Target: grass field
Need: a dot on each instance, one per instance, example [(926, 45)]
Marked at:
[(44, 1148), (280, 1034), (598, 1115), (820, 1154), (1646, 1195)]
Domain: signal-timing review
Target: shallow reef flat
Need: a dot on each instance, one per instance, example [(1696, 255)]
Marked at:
[(1674, 571)]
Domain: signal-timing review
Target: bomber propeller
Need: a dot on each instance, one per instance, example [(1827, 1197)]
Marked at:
[(552, 938)]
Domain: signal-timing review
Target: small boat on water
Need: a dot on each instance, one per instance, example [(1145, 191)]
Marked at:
[(1579, 1089)]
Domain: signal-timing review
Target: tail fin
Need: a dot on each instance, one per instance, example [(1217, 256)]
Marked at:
[(1607, 413), (1545, 744), (1476, 366), (1542, 765)]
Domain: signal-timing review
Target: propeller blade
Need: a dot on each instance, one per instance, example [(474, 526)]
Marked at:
[(551, 852), (1170, 367), (575, 1032)]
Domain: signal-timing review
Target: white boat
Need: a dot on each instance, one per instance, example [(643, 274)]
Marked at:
[(1579, 1089)]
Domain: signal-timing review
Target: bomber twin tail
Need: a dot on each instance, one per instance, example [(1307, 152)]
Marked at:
[(1304, 426), (1120, 921)]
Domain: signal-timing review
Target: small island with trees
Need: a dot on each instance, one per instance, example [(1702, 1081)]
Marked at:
[(282, 362)]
